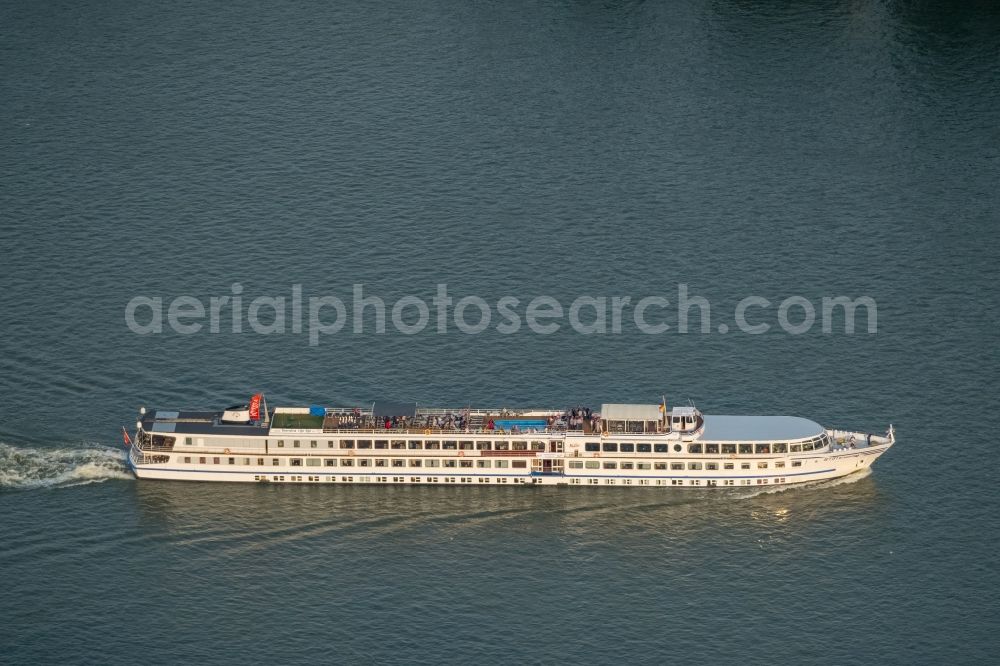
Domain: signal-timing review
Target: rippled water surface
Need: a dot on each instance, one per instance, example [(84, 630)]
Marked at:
[(548, 148)]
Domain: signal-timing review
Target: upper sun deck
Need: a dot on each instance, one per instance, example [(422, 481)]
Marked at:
[(190, 422), (615, 420)]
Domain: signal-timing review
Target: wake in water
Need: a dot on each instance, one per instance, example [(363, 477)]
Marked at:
[(24, 468)]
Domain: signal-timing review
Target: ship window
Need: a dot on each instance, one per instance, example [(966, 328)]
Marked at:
[(520, 446), (330, 462), (519, 464), (416, 462), (694, 465), (795, 448), (397, 444), (763, 448), (296, 462), (501, 446), (450, 446), (729, 448), (187, 441), (364, 443), (711, 448), (676, 465), (201, 460), (433, 462), (807, 446), (746, 448), (313, 462), (643, 465), (610, 464), (450, 463), (347, 443), (329, 443), (501, 463), (232, 461), (626, 448), (762, 465), (781, 447), (779, 464), (482, 463), (593, 464), (628, 465), (187, 459), (644, 448), (432, 446), (281, 443), (381, 444), (609, 447), (380, 462), (275, 461), (576, 464), (694, 448), (415, 445), (483, 446), (296, 443), (796, 463), (728, 465), (312, 444), (398, 462), (660, 465), (712, 466), (365, 462), (465, 463), (538, 446), (660, 448), (466, 446), (592, 446), (677, 448), (744, 465), (346, 462)]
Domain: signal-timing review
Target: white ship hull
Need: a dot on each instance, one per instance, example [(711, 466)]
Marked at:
[(660, 460)]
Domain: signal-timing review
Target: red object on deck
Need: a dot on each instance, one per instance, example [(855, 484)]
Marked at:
[(128, 440), (255, 407)]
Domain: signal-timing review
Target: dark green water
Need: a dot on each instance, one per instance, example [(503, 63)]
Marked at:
[(505, 149)]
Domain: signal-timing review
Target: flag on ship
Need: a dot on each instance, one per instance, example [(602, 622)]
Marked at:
[(128, 440)]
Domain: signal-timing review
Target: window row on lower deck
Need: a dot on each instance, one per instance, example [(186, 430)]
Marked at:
[(707, 483), (676, 465)]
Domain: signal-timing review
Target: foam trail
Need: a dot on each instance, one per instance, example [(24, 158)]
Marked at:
[(27, 468)]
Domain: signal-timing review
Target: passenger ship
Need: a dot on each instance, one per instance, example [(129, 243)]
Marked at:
[(401, 443)]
